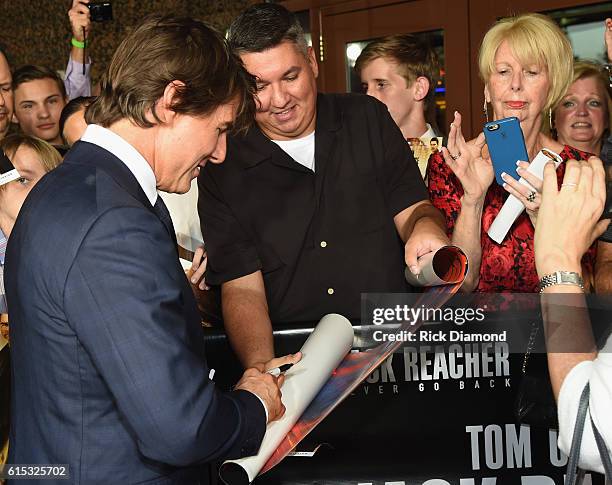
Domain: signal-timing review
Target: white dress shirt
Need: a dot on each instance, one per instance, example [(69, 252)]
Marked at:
[(125, 152)]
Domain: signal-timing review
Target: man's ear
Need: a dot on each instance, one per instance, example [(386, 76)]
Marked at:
[(420, 88), (164, 106), (312, 60)]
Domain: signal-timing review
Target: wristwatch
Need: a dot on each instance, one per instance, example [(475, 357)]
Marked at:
[(561, 278)]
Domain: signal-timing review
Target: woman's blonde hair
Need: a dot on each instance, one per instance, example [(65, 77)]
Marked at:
[(533, 38), (49, 157)]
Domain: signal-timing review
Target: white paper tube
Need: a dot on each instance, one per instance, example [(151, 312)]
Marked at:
[(445, 266), (513, 207), (325, 348)]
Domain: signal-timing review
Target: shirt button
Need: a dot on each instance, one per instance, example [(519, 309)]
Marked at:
[(323, 244), (330, 291)]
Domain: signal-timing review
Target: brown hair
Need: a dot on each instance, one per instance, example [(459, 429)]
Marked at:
[(414, 58), (163, 49), (32, 73), (49, 157)]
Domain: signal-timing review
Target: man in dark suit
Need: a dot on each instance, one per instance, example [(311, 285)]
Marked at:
[(108, 363)]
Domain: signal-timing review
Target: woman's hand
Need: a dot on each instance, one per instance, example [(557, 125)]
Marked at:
[(568, 221), (469, 161), (529, 195)]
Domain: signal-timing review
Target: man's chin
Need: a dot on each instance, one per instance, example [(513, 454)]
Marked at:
[(181, 187)]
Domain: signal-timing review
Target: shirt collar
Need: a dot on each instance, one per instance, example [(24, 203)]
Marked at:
[(429, 133), (133, 160), (256, 147)]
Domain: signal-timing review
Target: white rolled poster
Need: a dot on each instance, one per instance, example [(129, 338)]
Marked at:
[(325, 348), (513, 207)]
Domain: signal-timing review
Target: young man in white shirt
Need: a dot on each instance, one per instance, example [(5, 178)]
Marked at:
[(402, 71)]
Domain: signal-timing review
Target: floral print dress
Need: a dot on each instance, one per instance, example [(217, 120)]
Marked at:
[(506, 267)]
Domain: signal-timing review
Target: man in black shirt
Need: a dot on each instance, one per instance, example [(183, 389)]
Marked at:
[(317, 203)]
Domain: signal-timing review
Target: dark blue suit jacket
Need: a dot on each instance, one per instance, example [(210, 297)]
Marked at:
[(108, 363)]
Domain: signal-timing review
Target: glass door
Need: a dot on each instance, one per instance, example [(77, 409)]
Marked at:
[(347, 28)]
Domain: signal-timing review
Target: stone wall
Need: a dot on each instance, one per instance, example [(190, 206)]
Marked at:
[(38, 31)]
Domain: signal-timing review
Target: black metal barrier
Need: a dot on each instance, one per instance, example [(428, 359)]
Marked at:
[(420, 419)]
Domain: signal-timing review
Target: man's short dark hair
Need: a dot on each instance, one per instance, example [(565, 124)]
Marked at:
[(29, 73), (264, 26), (73, 106), (163, 49)]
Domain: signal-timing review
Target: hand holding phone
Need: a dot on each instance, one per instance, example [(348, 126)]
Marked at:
[(506, 146)]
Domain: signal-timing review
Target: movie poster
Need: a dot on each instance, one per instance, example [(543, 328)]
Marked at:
[(423, 148)]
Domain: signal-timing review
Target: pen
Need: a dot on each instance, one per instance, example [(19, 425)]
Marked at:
[(277, 371)]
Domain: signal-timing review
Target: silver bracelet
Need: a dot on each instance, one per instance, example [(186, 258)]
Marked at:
[(561, 278)]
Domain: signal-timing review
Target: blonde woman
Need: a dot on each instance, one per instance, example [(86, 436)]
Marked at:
[(582, 119), (526, 65)]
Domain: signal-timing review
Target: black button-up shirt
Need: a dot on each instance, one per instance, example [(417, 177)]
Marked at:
[(320, 238)]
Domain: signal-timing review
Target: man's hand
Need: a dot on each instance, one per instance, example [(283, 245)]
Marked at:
[(420, 243), (80, 19), (423, 228), (267, 388)]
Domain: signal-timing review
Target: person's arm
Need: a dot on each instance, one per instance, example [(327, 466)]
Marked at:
[(467, 233), (233, 264), (77, 82), (568, 223), (246, 320), (471, 165), (423, 229), (419, 224)]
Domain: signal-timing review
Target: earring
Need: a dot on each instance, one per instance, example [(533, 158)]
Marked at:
[(551, 124), (550, 121), (485, 110)]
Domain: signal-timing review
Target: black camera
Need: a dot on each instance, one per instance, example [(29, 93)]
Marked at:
[(100, 10)]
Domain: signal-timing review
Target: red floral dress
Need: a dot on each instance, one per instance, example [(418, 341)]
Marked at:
[(506, 267)]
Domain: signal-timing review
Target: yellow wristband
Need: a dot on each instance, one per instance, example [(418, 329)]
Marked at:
[(78, 43)]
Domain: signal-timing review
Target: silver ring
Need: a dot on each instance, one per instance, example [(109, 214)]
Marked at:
[(569, 184), (532, 195), (454, 157)]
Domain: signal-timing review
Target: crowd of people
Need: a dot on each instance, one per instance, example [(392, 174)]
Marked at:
[(305, 201)]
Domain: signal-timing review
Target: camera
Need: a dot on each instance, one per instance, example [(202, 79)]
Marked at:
[(100, 10)]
